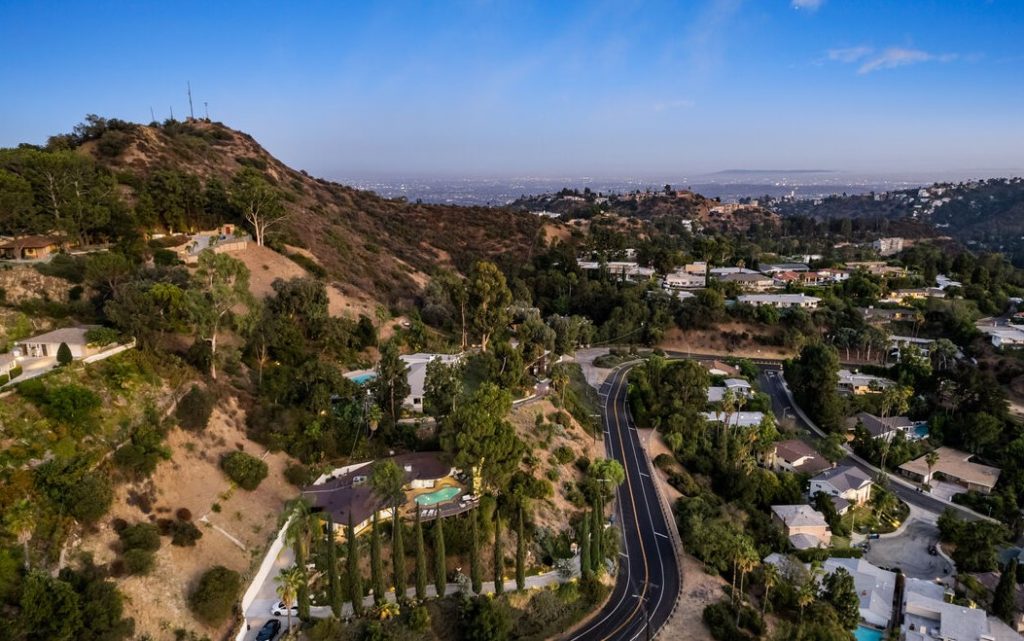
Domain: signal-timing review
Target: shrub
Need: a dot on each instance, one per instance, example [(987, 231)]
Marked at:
[(214, 597), (4, 379), (101, 336), (299, 475), (90, 498), (419, 619), (183, 514), (245, 470), (64, 356), (194, 409), (139, 561), (140, 536), (15, 372), (184, 533), (71, 404), (563, 454)]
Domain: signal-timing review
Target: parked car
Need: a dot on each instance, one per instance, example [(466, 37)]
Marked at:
[(280, 610), (933, 550), (874, 535), (269, 631)]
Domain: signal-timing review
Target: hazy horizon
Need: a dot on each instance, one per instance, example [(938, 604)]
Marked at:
[(499, 88)]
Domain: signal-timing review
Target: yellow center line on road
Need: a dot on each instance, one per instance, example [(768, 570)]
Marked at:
[(636, 519)]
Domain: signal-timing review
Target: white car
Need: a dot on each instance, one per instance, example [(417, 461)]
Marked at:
[(281, 610)]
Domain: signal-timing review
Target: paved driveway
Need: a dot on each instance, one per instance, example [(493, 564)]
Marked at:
[(908, 550)]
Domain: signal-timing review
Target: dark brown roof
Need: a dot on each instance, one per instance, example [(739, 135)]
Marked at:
[(31, 242), (794, 449), (878, 426), (340, 496)]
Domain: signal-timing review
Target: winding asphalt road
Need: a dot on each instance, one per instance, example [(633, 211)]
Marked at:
[(648, 581)]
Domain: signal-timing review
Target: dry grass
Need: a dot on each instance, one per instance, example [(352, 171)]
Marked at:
[(192, 479)]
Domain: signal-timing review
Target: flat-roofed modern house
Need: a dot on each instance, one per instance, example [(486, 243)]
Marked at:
[(749, 282), (683, 280), (804, 526), (736, 419), (784, 301), (774, 268), (856, 383), (954, 466)]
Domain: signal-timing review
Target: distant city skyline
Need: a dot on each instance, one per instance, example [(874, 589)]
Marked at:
[(499, 88)]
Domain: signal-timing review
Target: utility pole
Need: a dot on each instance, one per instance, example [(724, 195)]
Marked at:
[(172, 113), (206, 107), (191, 113), (152, 116)]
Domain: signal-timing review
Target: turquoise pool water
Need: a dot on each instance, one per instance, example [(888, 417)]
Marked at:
[(921, 431), (363, 378), (440, 496), (868, 634)]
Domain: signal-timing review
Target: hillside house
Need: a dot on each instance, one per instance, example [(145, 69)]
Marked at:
[(683, 280), (417, 375), (735, 419), (783, 301), (46, 345), (856, 383), (30, 248), (797, 456), (224, 239), (774, 268), (846, 482), (954, 466), (888, 246), (884, 427), (804, 526), (719, 368), (875, 588), (8, 362), (749, 282)]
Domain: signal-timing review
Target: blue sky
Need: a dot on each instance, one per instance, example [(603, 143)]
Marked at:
[(493, 88)]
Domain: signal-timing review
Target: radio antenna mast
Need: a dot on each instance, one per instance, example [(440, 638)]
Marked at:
[(206, 107), (172, 112), (152, 116), (191, 113)]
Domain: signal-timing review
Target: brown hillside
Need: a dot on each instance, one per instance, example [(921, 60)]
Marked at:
[(368, 245)]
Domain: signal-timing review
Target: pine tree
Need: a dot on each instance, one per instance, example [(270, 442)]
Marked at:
[(355, 578), (333, 582), (1004, 599), (584, 545), (421, 560), (398, 558), (499, 560), (376, 563), (440, 571), (474, 554), (521, 552), (596, 530)]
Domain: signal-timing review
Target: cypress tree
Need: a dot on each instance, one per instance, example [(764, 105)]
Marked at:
[(584, 545), (355, 579), (333, 583), (302, 593), (499, 560), (521, 552), (421, 560), (440, 571), (398, 557), (474, 554), (1003, 602), (596, 530), (376, 563)]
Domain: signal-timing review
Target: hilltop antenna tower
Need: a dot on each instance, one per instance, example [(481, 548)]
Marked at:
[(152, 116), (206, 108), (191, 113), (172, 112)]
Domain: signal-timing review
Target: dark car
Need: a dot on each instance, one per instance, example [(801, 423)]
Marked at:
[(874, 535), (269, 630)]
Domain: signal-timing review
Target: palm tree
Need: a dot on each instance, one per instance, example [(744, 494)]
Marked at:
[(289, 582), (746, 561), (302, 523), (560, 379), (771, 579), (931, 459), (804, 598), (20, 520)]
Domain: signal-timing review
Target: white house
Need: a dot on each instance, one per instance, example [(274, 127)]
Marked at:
[(843, 482), (927, 618), (46, 345), (779, 300), (736, 419), (417, 376), (856, 383), (739, 387), (683, 280), (875, 588), (1007, 336)]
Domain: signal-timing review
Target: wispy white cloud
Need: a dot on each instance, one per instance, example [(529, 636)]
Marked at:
[(848, 54), (901, 57), (807, 5), (666, 105)]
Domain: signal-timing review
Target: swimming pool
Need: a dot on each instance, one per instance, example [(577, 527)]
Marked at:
[(362, 379), (921, 431), (863, 633), (440, 496)]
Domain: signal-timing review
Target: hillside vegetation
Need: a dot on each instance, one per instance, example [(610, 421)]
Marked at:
[(112, 181)]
